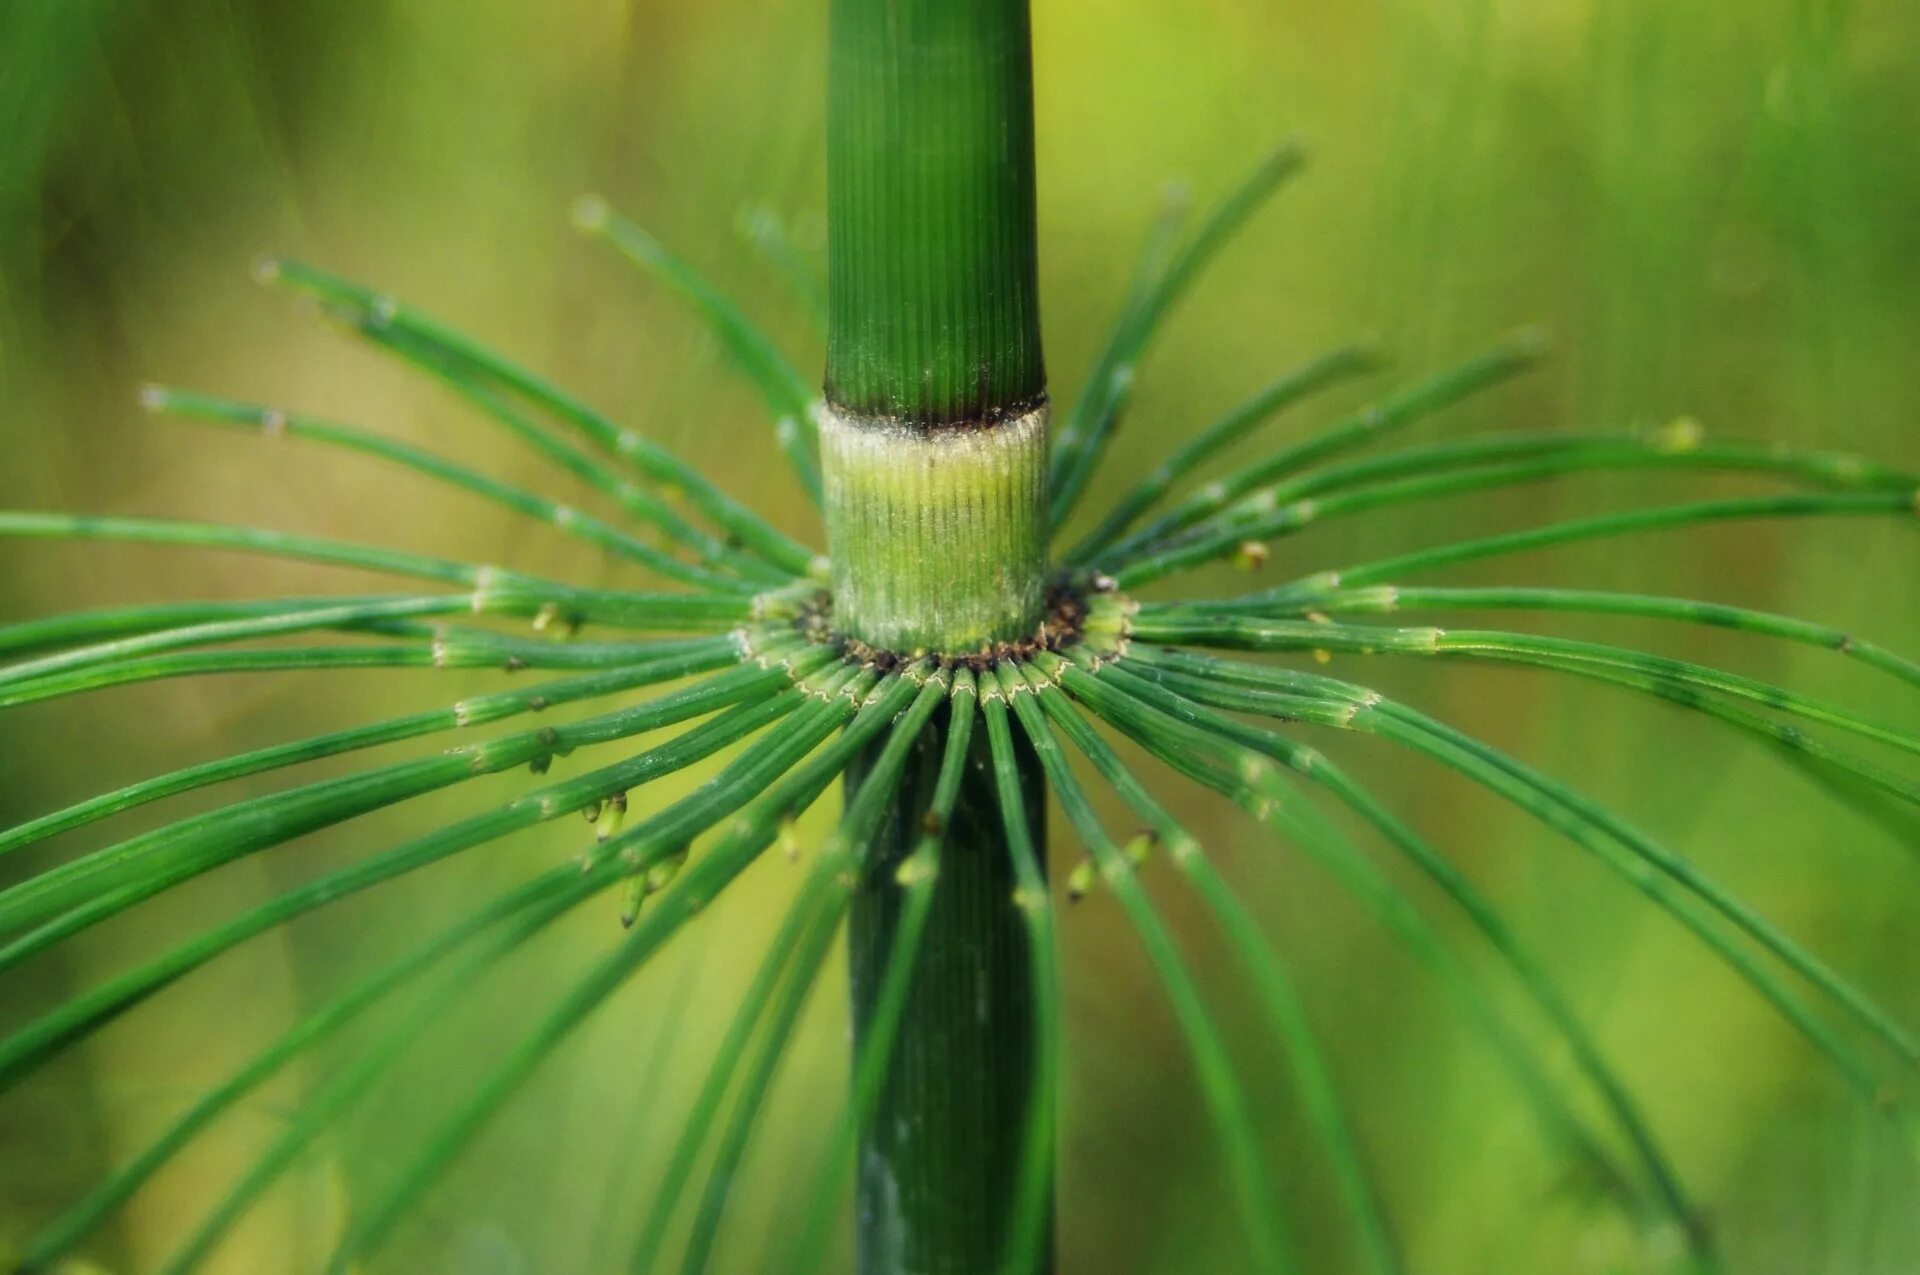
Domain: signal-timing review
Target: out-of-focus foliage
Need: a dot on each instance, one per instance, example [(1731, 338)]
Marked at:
[(1713, 208)]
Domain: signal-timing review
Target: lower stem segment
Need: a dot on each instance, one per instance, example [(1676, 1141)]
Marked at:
[(937, 533), (939, 1158)]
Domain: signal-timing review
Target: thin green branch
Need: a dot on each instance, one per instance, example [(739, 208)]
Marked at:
[(871, 708), (348, 614), (1288, 507), (1391, 598), (785, 392), (1526, 968), (621, 608), (1109, 384), (550, 893), (199, 663), (463, 647), (1090, 427), (801, 972), (769, 233), (1365, 426), (1689, 685), (1290, 388), (53, 632), (1258, 1204), (85, 891), (563, 886), (1648, 865), (474, 711), (1227, 763), (1030, 1241), (452, 648), (1279, 997), (780, 985), (347, 1083), (603, 866), (788, 968), (636, 499), (839, 866), (620, 1187), (271, 421), (1831, 470), (440, 350), (1576, 530), (278, 544)]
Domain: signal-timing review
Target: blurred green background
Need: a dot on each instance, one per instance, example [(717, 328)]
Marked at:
[(1714, 209)]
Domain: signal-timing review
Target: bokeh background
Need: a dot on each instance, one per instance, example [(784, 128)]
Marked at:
[(1713, 208)]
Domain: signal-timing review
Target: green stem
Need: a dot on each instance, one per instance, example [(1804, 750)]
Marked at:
[(933, 312), (938, 537), (933, 434), (940, 1151), (933, 454)]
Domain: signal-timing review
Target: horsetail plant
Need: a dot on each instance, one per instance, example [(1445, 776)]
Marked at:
[(947, 669)]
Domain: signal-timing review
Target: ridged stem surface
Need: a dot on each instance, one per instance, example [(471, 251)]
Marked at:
[(934, 459), (939, 1155), (937, 536), (933, 300)]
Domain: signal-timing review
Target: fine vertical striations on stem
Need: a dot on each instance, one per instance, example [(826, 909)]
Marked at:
[(933, 433), (933, 449), (933, 300), (950, 684), (940, 1152), (939, 535)]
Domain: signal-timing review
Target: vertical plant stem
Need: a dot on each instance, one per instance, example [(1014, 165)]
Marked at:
[(933, 435), (933, 452), (940, 1153), (933, 314)]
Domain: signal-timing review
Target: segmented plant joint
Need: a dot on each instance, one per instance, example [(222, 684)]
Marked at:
[(953, 633)]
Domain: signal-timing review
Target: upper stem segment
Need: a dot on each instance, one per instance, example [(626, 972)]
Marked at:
[(934, 433), (933, 451), (933, 299)]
